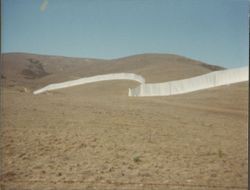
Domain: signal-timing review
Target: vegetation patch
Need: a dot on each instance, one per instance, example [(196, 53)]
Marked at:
[(34, 70)]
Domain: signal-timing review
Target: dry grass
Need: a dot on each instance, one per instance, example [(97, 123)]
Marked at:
[(95, 136)]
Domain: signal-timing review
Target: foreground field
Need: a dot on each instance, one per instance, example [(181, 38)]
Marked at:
[(96, 137)]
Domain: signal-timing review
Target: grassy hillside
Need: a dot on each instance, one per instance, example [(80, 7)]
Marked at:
[(37, 70)]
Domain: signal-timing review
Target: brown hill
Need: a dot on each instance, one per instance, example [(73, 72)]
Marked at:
[(96, 137), (37, 70)]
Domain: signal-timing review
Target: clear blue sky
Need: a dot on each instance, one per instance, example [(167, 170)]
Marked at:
[(213, 31)]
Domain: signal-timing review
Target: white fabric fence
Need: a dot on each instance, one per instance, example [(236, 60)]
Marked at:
[(213, 79), (97, 78)]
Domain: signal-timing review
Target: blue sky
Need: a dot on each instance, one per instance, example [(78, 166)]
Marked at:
[(213, 31)]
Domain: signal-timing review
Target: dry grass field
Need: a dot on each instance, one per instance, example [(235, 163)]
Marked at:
[(96, 137)]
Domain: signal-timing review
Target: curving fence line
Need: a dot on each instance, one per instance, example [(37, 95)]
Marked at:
[(97, 78), (213, 79)]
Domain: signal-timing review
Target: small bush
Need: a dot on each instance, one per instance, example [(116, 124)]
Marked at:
[(137, 159)]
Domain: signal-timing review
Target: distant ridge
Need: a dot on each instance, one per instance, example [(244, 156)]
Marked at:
[(113, 59), (20, 70)]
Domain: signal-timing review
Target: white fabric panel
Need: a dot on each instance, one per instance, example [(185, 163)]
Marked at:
[(232, 76), (213, 79), (97, 78)]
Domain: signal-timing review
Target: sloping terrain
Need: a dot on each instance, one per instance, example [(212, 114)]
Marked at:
[(20, 68), (95, 136)]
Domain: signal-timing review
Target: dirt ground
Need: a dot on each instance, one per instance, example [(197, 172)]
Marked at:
[(96, 137)]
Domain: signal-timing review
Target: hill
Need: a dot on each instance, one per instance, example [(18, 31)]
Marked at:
[(95, 136), (35, 70)]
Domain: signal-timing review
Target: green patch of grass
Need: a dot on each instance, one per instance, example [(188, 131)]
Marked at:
[(137, 159)]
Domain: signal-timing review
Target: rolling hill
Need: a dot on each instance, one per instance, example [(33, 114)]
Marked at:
[(32, 70)]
